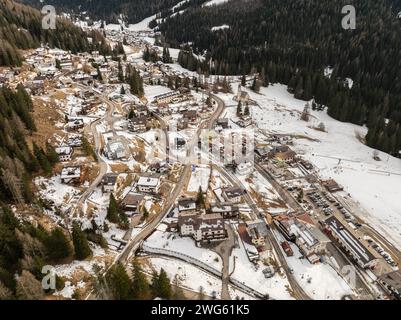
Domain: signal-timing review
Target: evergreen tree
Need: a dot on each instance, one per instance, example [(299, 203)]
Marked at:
[(99, 74), (161, 286), (239, 108), (57, 245), (166, 55), (140, 285), (200, 199), (51, 154), (42, 159), (112, 210), (81, 245), (145, 213), (243, 80), (120, 283), (164, 286)]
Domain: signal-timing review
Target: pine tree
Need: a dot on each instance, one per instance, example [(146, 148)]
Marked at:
[(131, 113), (161, 286), (57, 245), (51, 154), (81, 245), (239, 109), (120, 72), (112, 210), (200, 199), (140, 285), (146, 54), (164, 286), (120, 283), (145, 213), (42, 159), (166, 55), (99, 74), (255, 84), (243, 80)]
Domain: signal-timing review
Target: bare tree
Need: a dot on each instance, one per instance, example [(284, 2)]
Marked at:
[(28, 288), (5, 293)]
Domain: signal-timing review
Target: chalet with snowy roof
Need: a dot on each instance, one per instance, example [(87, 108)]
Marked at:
[(222, 122), (202, 227), (257, 231), (70, 174), (115, 149), (233, 194), (283, 153), (74, 140), (246, 238), (186, 204), (138, 124), (148, 184), (332, 186), (169, 97), (141, 110), (244, 121), (159, 167), (109, 182), (133, 202), (190, 115), (75, 124), (227, 210), (64, 153)]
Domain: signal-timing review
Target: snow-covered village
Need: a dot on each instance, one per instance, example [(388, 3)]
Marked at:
[(195, 185)]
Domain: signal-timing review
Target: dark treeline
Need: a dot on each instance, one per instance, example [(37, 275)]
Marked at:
[(25, 249), (116, 284), (292, 41), (21, 28), (17, 161), (109, 10)]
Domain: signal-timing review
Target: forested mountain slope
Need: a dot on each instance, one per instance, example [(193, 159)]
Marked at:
[(293, 41), (109, 10), (21, 28)]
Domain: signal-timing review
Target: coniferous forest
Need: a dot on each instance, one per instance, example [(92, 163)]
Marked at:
[(293, 41), (110, 10), (21, 28)]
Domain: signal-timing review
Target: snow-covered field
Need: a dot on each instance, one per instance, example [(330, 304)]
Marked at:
[(59, 193), (199, 178), (142, 25), (377, 192), (245, 272), (173, 242), (320, 281), (188, 276)]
